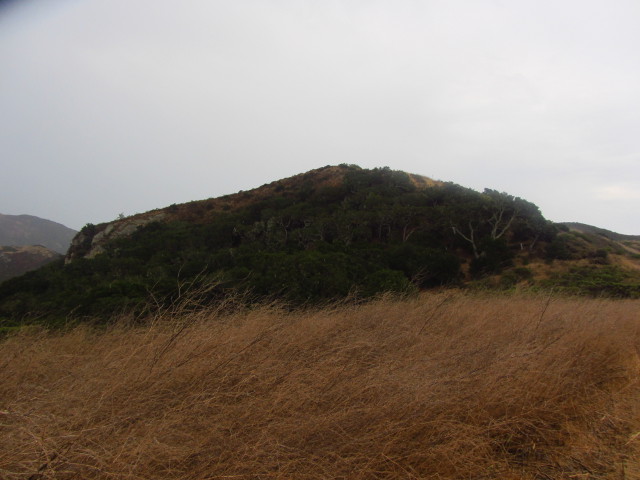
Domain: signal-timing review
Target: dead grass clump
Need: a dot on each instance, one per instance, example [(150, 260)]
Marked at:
[(443, 386)]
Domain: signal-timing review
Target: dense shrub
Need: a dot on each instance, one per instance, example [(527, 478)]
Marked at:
[(374, 231), (607, 281), (495, 257)]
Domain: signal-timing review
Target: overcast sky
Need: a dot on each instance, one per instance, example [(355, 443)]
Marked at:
[(122, 106)]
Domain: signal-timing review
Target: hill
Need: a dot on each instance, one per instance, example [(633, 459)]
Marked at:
[(584, 228), (606, 238), (15, 261), (335, 232), (21, 230), (328, 184)]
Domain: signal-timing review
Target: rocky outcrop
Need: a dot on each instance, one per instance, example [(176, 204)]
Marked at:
[(92, 239)]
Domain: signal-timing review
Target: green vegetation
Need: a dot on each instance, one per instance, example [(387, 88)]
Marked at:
[(605, 281), (366, 232)]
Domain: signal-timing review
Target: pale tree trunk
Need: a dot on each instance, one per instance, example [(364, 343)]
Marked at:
[(498, 229), (407, 232), (469, 238)]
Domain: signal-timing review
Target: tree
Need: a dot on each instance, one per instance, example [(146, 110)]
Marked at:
[(502, 210), (489, 215)]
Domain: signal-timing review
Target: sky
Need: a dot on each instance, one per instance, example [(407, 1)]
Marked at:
[(121, 106)]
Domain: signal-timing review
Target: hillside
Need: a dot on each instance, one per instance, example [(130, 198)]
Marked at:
[(21, 230), (603, 232), (15, 261), (331, 233), (443, 386), (606, 238), (330, 183)]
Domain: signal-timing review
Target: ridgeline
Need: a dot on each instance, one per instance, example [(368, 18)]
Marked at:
[(323, 235)]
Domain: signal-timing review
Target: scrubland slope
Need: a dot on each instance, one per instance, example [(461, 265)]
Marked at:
[(445, 386)]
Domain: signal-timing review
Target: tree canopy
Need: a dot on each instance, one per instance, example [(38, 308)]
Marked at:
[(372, 231)]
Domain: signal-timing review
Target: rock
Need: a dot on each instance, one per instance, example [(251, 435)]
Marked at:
[(91, 240)]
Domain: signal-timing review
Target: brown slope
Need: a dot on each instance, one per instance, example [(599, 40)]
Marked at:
[(15, 261)]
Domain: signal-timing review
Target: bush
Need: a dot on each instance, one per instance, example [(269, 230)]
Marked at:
[(607, 281), (386, 281), (523, 273), (426, 267), (495, 257), (558, 249)]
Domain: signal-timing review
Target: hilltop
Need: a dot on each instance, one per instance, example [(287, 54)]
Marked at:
[(334, 232), (603, 232), (325, 183)]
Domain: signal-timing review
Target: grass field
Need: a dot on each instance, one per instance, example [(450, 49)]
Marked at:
[(443, 386)]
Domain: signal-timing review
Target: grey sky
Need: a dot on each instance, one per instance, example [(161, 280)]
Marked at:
[(128, 105)]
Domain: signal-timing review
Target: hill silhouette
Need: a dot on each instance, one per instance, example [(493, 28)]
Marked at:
[(326, 234), (21, 230)]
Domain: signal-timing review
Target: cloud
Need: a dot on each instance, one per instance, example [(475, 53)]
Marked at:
[(167, 103)]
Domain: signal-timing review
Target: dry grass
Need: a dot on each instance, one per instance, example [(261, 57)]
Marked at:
[(446, 386)]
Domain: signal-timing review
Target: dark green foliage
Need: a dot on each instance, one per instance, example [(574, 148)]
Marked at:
[(606, 281), (426, 267), (374, 232), (576, 245), (523, 273), (600, 257), (512, 277), (386, 280), (495, 256), (559, 249)]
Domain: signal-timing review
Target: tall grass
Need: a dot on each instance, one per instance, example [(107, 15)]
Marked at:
[(444, 386)]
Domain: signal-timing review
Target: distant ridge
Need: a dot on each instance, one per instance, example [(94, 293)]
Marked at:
[(584, 228), (22, 230)]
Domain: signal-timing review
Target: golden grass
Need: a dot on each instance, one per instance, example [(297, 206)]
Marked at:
[(445, 386)]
